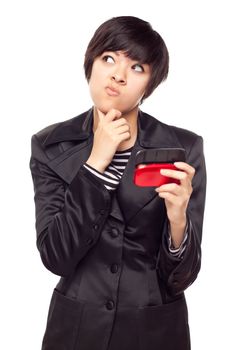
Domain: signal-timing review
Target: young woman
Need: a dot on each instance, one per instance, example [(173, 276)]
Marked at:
[(125, 253)]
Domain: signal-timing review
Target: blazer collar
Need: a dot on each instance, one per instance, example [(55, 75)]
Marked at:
[(80, 128), (75, 129), (130, 198)]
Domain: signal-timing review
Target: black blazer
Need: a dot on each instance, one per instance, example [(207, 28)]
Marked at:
[(120, 289)]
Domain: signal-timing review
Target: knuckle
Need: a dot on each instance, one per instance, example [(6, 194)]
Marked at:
[(111, 112), (175, 186)]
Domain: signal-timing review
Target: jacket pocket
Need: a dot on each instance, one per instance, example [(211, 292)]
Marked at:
[(63, 322), (164, 326)]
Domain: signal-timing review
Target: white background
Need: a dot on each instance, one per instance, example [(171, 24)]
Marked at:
[(42, 82)]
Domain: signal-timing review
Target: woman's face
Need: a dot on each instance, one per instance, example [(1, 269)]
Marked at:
[(117, 82)]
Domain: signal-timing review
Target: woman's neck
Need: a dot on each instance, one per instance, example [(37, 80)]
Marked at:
[(132, 120)]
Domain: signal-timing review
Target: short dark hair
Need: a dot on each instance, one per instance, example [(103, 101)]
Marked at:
[(137, 39)]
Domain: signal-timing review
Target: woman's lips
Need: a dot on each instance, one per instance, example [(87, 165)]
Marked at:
[(111, 91)]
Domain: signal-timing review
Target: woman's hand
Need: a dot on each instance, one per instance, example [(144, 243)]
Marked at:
[(111, 130), (177, 197)]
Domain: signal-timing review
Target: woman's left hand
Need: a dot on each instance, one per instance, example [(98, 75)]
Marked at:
[(177, 196)]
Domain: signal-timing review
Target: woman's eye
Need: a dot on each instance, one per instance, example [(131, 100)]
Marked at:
[(138, 68), (108, 59)]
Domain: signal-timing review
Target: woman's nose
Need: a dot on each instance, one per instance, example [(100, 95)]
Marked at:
[(119, 78)]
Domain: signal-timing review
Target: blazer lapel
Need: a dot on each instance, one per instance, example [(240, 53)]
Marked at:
[(78, 132), (76, 135), (68, 164), (151, 134)]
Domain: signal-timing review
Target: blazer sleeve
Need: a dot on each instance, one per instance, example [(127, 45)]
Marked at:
[(178, 274), (68, 217)]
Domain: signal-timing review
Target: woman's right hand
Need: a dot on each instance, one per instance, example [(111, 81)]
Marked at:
[(110, 132)]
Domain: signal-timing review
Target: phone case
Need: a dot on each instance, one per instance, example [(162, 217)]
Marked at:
[(148, 164)]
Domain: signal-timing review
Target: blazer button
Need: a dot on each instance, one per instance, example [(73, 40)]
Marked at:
[(114, 268), (110, 305), (89, 240), (114, 232), (96, 226)]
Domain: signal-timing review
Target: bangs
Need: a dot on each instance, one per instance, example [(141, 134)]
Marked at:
[(131, 48)]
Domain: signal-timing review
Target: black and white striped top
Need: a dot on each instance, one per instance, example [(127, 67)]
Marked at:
[(112, 174), (111, 178)]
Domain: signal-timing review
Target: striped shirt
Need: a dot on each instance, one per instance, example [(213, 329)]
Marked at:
[(112, 175), (111, 178)]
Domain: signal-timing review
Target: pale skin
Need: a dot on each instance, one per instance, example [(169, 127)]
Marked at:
[(117, 85), (176, 199)]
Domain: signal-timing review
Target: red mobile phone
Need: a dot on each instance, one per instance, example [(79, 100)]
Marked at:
[(148, 164)]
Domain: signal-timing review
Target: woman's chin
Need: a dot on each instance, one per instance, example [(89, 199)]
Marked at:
[(106, 107)]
